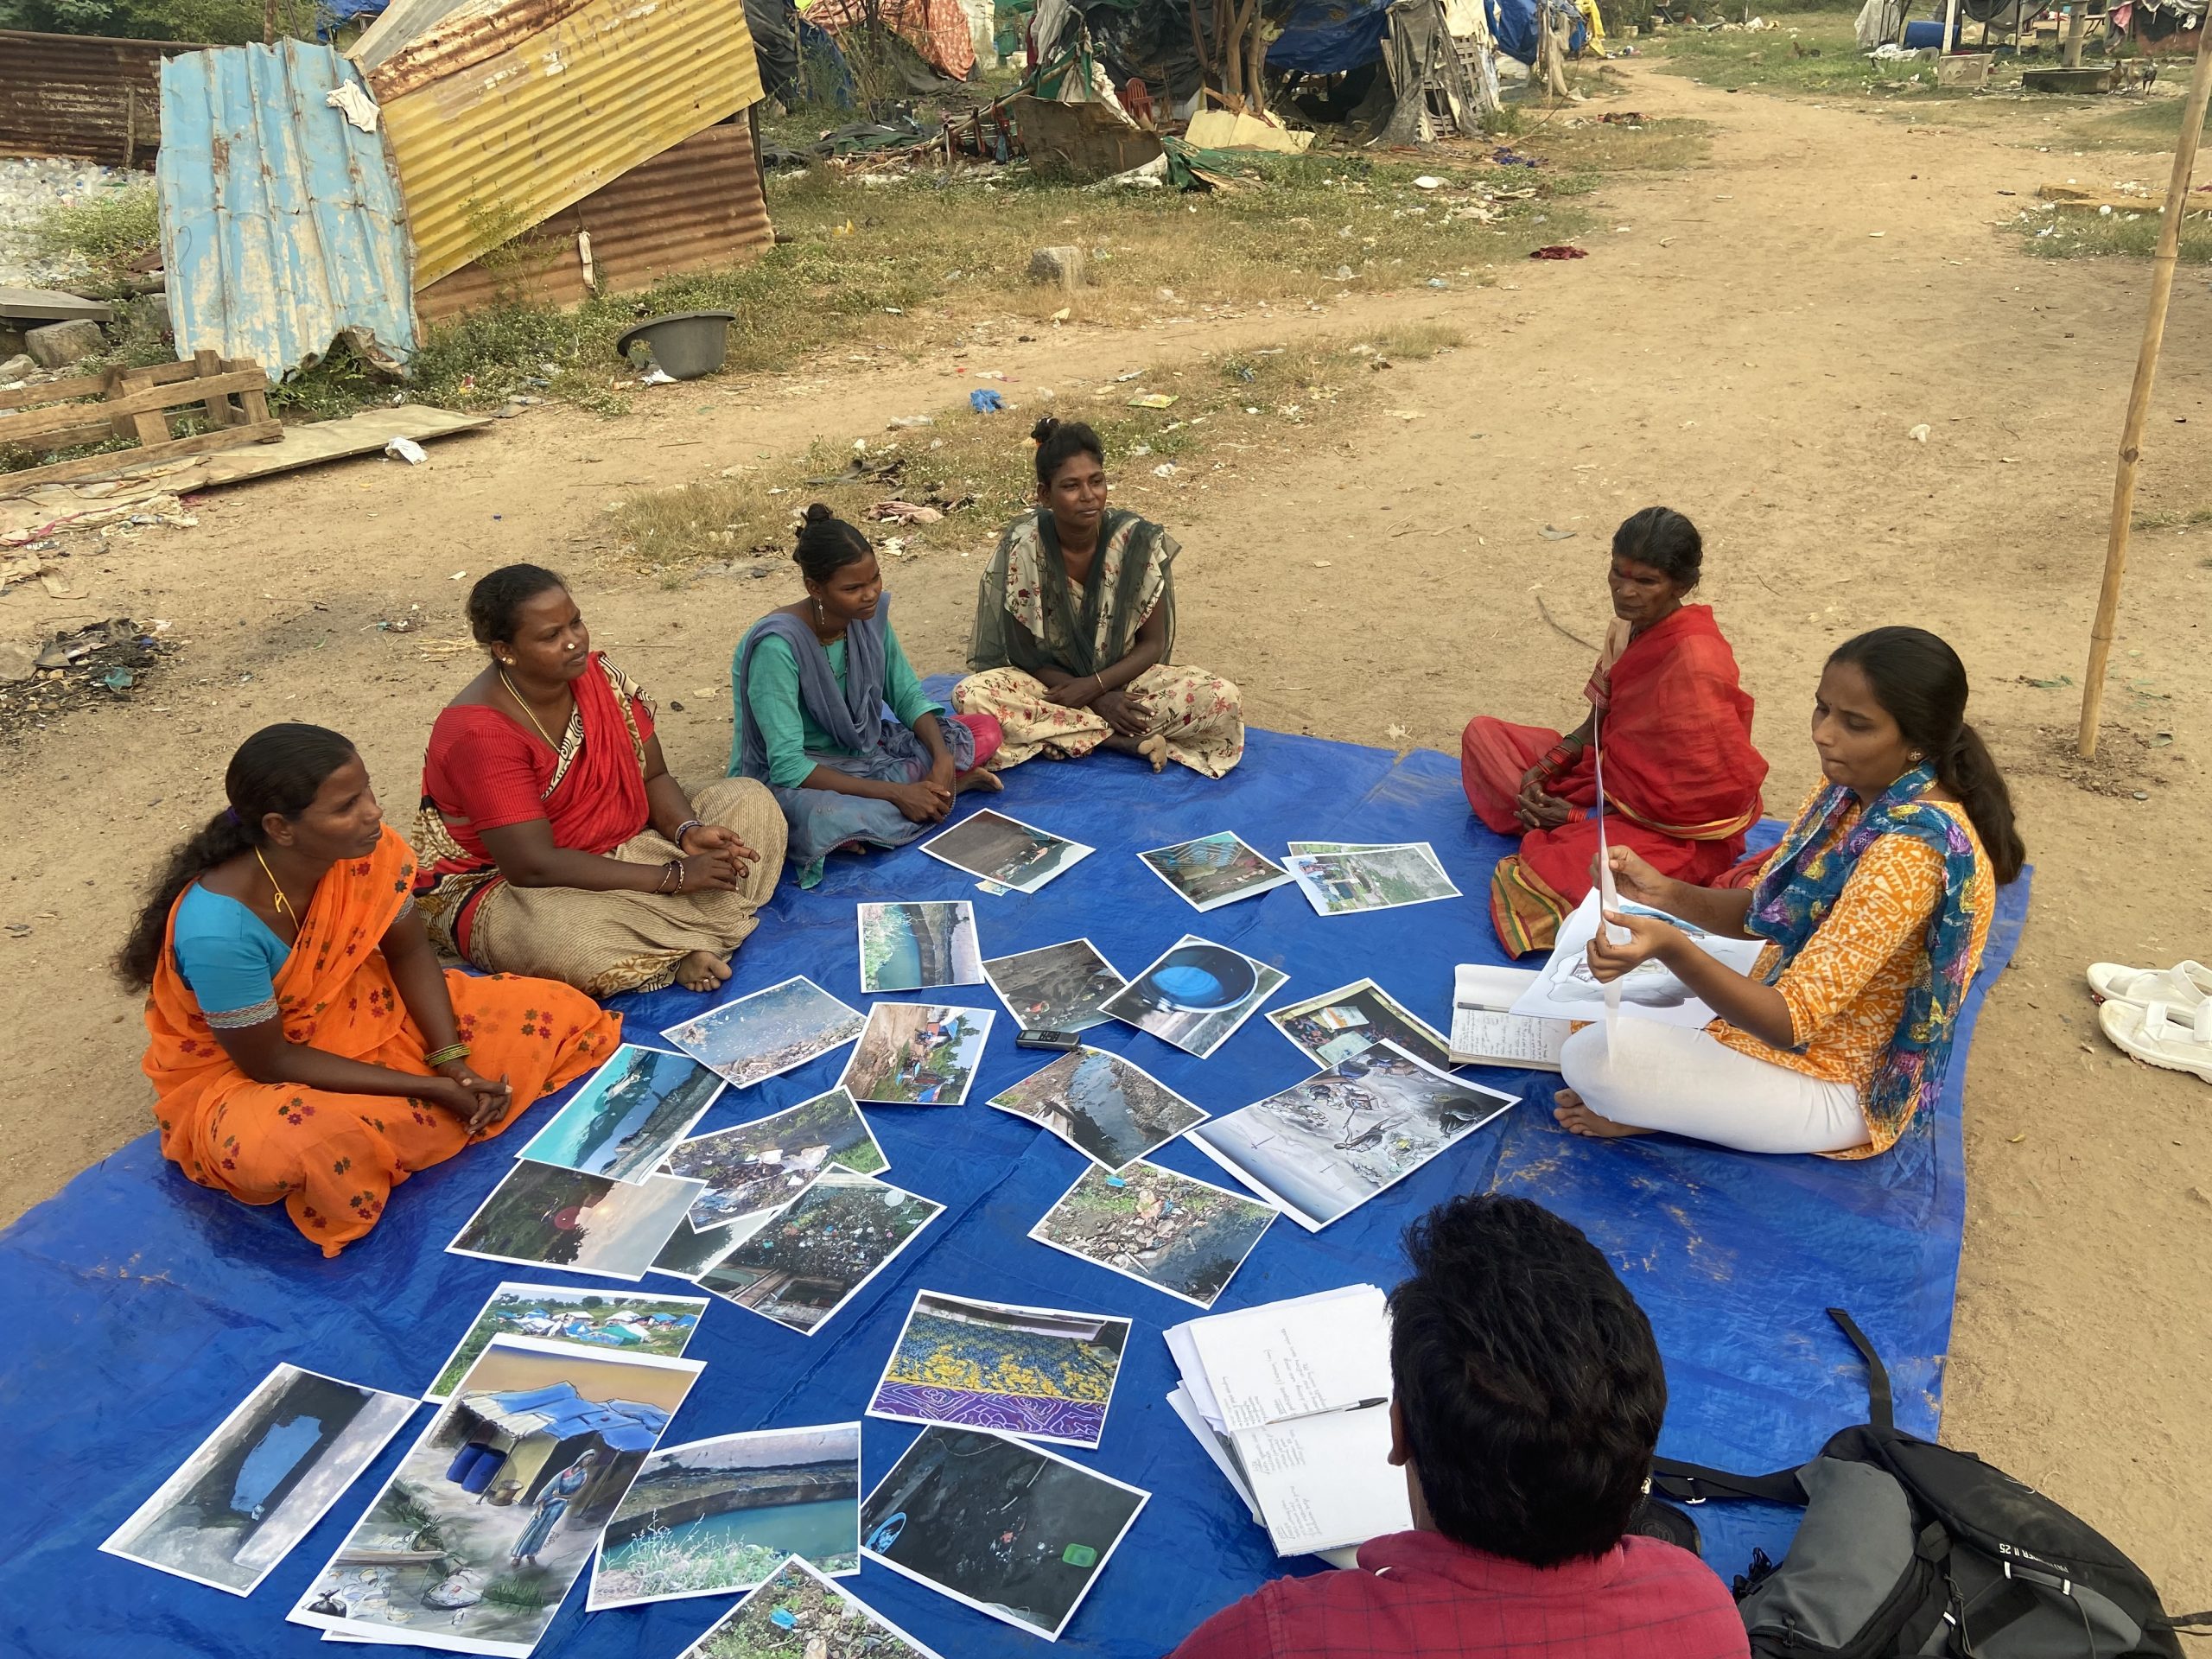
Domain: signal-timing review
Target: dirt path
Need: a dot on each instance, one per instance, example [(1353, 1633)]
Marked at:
[(1753, 349)]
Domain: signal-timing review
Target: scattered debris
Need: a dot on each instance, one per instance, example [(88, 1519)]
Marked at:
[(1064, 266), (905, 513), (406, 449), (1560, 251), (106, 663), (985, 401), (230, 393), (1919, 434), (1154, 400), (1551, 533)]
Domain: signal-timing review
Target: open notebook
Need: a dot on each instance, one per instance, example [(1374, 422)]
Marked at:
[(1485, 1032)]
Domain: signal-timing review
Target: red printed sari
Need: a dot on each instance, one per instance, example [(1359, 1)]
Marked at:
[(1681, 778), (332, 1160)]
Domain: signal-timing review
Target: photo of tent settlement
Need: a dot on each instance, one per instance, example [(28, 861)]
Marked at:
[(1214, 870), (800, 1614), (258, 1484), (755, 1169), (1008, 1528), (1338, 1024), (1056, 987), (491, 1516), (628, 1114), (540, 1216), (1039, 1372), (1322, 1147), (1378, 877), (918, 1054), (1196, 995), (912, 947), (808, 1262), (768, 1032), (1160, 1228), (1006, 850), (628, 1320), (1107, 1109), (710, 1517)]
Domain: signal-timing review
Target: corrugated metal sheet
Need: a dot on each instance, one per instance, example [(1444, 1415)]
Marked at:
[(281, 222), (498, 118), (80, 95), (689, 208)]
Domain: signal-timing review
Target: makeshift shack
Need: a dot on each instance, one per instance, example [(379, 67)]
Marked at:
[(512, 1444)]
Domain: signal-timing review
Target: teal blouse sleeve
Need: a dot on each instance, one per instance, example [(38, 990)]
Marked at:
[(229, 959), (771, 692), (901, 688)]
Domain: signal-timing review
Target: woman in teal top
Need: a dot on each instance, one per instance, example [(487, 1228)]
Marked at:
[(810, 681)]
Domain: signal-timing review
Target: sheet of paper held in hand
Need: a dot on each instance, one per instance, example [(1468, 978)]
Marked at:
[(1608, 894), (1484, 1030), (1298, 1358)]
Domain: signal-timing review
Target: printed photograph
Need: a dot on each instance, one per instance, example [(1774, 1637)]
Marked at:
[(1337, 846), (912, 947), (713, 1517), (1324, 1147), (1567, 990), (689, 1252), (995, 848), (810, 1261), (1108, 1109), (1337, 1026), (1033, 1371), (917, 1054), (1196, 995), (1376, 878), (1150, 1224), (755, 1169), (542, 1216), (583, 1318), (1056, 987), (628, 1114), (258, 1484), (1214, 870), (767, 1034), (1009, 1529), (800, 1614), (491, 1516)]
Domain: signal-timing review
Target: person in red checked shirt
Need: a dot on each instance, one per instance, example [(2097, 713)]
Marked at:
[(1527, 1400)]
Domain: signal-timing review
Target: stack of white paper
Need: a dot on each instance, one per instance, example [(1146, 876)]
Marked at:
[(1291, 1401)]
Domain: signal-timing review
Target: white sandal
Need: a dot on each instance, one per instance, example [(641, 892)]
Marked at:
[(2155, 1037), (2184, 986)]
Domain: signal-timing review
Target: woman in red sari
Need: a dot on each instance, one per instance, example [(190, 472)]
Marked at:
[(555, 841), (1681, 778)]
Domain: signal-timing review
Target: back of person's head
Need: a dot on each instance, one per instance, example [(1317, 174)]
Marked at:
[(1060, 441), (1665, 540), (495, 602), (279, 770), (1919, 679), (827, 543), (1527, 1382)]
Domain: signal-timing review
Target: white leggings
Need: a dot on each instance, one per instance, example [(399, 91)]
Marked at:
[(1658, 1077)]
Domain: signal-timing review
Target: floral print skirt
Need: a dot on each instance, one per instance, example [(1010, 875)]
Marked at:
[(1200, 714)]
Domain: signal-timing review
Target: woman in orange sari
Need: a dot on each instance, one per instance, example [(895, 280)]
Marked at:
[(305, 1045), (1681, 778)]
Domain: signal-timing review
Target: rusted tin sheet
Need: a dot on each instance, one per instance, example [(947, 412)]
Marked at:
[(690, 208), (82, 95), (282, 226), (500, 115)]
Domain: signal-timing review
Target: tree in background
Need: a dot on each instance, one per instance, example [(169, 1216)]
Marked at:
[(215, 22)]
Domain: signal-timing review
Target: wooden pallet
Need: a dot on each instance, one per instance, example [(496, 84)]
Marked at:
[(231, 393)]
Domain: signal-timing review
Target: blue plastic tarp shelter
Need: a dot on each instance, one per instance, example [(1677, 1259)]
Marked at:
[(141, 1308), (1327, 37), (1513, 25)]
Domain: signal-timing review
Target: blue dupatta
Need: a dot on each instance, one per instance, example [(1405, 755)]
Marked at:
[(1801, 885)]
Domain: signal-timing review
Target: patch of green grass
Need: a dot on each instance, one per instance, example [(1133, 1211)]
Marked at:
[(1222, 407), (2182, 519), (2087, 236), (106, 231), (1812, 53)]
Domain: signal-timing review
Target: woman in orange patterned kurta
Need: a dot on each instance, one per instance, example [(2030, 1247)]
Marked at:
[(1875, 908), (304, 1045)]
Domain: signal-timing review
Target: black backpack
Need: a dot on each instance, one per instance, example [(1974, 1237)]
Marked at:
[(1908, 1547)]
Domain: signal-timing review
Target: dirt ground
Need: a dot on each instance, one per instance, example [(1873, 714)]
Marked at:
[(1752, 346)]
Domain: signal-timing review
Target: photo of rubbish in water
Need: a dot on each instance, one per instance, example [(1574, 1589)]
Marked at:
[(813, 1256), (769, 1032), (755, 1169), (1099, 1103), (628, 1114), (1159, 1227), (1055, 987)]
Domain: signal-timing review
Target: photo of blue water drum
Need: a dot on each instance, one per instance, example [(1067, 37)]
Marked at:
[(1196, 995)]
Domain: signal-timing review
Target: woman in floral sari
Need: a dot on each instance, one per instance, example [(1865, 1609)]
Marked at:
[(304, 1046), (811, 681), (555, 841), (1075, 624), (1681, 778), (1875, 909)]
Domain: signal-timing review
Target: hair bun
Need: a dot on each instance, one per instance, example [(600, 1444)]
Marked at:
[(818, 513), (1043, 429)]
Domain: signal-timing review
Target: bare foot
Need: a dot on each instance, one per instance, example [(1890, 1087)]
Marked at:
[(1579, 1119), (702, 971), (1155, 749), (978, 778)]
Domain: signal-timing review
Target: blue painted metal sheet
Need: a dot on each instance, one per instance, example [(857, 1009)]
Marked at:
[(282, 222)]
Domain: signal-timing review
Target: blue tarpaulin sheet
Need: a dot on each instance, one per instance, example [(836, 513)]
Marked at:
[(139, 1309), (1327, 37)]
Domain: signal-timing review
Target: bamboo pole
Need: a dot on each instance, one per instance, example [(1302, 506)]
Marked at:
[(2138, 400)]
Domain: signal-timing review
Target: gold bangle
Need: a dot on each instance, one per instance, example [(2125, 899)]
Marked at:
[(447, 1055)]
